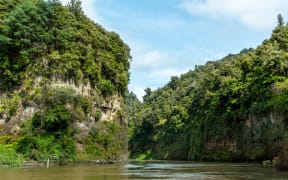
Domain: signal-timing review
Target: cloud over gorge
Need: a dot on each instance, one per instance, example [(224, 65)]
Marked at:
[(256, 14)]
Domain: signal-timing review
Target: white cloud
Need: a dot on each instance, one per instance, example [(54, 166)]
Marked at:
[(153, 23), (167, 73), (150, 59), (139, 91), (153, 78), (256, 14)]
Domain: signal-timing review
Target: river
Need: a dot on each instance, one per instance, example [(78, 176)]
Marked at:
[(146, 170)]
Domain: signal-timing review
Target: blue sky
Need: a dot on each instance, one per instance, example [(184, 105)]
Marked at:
[(169, 37)]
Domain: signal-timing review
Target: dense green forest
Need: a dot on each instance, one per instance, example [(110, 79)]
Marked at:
[(40, 38), (62, 80), (233, 109)]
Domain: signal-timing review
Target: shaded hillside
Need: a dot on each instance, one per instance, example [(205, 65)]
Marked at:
[(62, 83), (235, 108)]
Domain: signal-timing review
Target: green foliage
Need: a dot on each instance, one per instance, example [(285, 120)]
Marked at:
[(56, 119), (49, 135), (9, 157), (107, 88), (74, 6), (280, 20), (103, 141), (23, 37), (84, 102), (132, 105), (231, 109), (56, 96), (60, 148), (9, 105), (43, 38)]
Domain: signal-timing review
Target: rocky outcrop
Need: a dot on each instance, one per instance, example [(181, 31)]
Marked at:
[(17, 109), (104, 108)]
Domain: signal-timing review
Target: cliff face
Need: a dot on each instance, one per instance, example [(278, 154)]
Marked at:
[(62, 83), (268, 131), (102, 109), (259, 137)]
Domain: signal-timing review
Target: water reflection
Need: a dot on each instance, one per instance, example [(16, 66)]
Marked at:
[(196, 170), (147, 170)]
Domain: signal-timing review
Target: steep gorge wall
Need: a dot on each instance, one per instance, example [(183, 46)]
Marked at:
[(258, 138)]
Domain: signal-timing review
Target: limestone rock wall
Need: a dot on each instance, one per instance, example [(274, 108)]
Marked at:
[(102, 109)]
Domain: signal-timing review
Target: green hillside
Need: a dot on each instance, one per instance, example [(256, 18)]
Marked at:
[(233, 109)]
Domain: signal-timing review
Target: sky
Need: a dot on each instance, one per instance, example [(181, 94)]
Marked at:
[(169, 37)]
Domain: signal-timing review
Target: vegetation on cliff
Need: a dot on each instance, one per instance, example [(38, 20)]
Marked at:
[(231, 109), (60, 72), (40, 38)]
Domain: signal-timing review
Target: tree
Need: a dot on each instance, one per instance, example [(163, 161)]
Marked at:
[(74, 6), (280, 20), (148, 92), (23, 38)]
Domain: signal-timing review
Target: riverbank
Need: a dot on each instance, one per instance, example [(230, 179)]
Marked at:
[(51, 163)]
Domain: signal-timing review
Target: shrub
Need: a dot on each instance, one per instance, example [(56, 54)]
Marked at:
[(9, 157)]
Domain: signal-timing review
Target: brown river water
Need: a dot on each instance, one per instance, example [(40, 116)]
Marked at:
[(146, 170)]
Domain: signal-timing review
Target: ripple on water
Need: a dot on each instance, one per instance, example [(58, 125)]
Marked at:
[(148, 170), (195, 170)]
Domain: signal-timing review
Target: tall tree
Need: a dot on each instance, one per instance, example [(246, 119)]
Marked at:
[(280, 20), (75, 7)]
